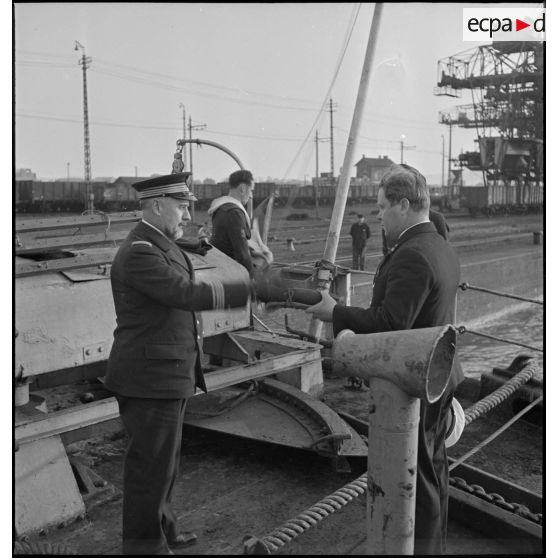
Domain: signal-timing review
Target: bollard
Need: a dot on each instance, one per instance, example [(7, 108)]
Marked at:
[(402, 367), (537, 235)]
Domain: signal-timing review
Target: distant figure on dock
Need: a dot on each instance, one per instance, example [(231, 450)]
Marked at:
[(360, 233), (435, 217), (155, 364), (415, 287)]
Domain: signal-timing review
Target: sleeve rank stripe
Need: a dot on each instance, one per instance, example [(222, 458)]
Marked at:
[(218, 293)]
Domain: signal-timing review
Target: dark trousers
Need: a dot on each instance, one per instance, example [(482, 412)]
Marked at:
[(358, 257), (154, 427), (431, 508)]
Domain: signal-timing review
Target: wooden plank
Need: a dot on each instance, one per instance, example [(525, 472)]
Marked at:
[(276, 344), (27, 245), (86, 415), (59, 422), (29, 267), (75, 221), (265, 367)]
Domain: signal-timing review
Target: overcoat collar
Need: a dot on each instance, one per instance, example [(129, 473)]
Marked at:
[(150, 234), (421, 228)]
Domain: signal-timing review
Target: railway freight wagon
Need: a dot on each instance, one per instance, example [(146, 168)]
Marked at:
[(363, 193), (55, 197), (206, 193), (501, 199), (120, 197)]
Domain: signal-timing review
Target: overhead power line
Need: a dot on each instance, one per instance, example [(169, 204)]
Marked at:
[(75, 120), (382, 143), (169, 82), (344, 47)]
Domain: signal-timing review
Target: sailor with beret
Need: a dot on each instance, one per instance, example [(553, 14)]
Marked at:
[(155, 361)]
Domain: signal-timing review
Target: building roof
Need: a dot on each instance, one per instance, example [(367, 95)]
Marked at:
[(384, 161)]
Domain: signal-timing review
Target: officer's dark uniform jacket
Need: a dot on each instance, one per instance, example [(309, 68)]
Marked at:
[(231, 231), (157, 341), (415, 287)]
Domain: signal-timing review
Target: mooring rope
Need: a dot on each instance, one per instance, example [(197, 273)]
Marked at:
[(303, 521), (330, 504), (465, 286), (463, 329), (503, 392)]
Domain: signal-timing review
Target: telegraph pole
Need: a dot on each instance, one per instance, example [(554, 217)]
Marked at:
[(403, 147), (443, 158), (190, 128), (183, 131), (447, 119), (317, 172), (317, 154), (84, 63), (449, 162), (318, 140), (331, 140)]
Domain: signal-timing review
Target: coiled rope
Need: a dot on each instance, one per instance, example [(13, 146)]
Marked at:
[(330, 504)]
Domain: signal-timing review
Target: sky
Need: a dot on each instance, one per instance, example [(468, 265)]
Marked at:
[(255, 78)]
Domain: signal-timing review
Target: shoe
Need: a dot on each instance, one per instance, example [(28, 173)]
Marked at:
[(182, 540)]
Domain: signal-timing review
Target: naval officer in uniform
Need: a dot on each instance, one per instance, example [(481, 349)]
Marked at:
[(154, 365)]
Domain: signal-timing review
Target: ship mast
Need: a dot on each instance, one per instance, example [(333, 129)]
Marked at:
[(332, 241)]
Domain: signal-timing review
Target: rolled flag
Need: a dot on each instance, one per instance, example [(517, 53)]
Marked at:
[(262, 256)]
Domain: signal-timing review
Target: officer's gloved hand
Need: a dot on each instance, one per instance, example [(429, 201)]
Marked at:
[(200, 247)]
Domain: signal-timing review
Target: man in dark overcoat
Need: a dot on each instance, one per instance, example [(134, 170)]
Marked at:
[(155, 360), (360, 233), (415, 287)]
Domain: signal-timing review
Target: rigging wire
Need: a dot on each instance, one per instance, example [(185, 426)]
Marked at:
[(157, 80), (101, 63), (76, 120), (348, 36)]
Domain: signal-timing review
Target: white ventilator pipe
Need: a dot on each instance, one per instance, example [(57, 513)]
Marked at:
[(402, 367)]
